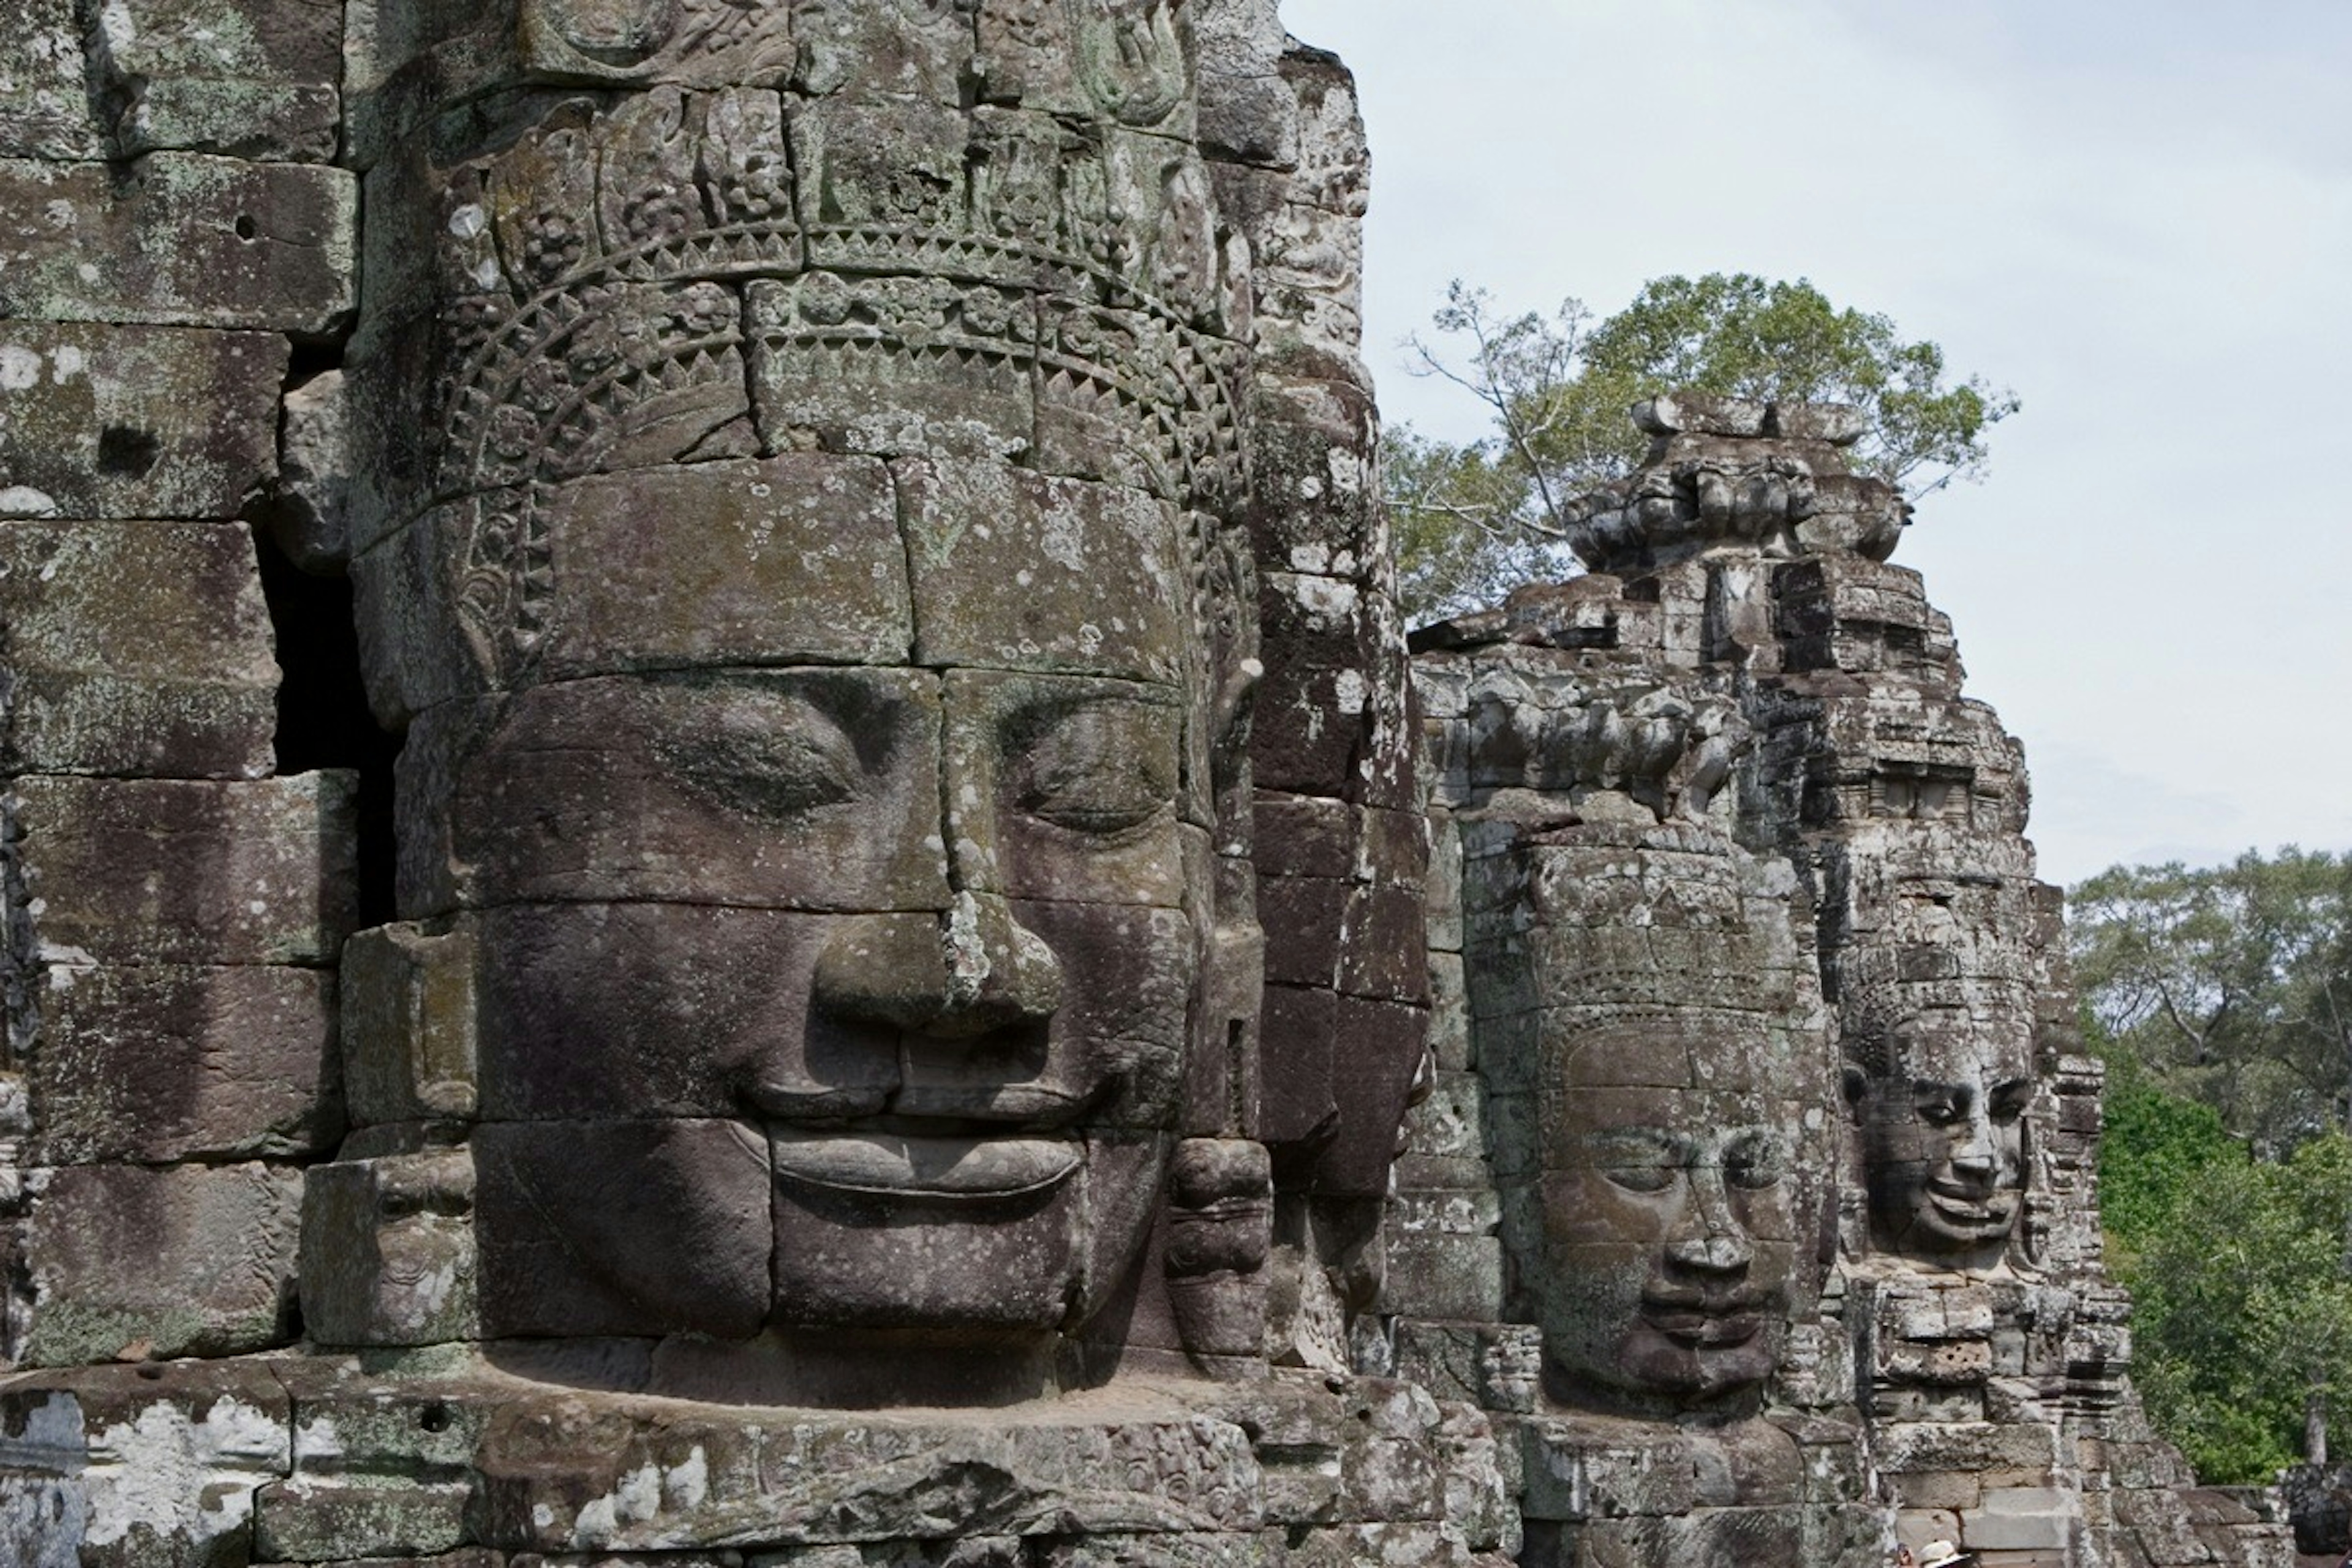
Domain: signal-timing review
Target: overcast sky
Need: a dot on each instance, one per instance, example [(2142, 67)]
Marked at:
[(2137, 216)]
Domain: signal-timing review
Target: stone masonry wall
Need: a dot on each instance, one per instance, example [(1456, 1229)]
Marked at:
[(176, 248)]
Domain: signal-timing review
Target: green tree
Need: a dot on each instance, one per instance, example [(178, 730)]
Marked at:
[(2221, 999), (2230, 987), (2156, 1149), (2242, 1307), (1474, 520)]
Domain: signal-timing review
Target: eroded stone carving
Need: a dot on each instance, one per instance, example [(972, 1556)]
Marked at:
[(1940, 1099), (1675, 1178)]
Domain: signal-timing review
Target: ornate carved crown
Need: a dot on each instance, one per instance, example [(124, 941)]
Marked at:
[(699, 275)]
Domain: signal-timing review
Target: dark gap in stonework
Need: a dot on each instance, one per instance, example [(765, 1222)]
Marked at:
[(323, 710), (308, 359), (124, 452)]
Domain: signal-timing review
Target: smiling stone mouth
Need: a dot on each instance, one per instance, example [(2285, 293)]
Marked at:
[(1703, 1327), (1697, 1320), (903, 1165), (1993, 1210)]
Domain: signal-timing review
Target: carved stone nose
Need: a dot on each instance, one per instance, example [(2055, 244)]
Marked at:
[(997, 971), (966, 971), (1709, 1240), (1717, 1254)]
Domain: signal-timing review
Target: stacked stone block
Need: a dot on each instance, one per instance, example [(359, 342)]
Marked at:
[(1341, 848), (173, 909)]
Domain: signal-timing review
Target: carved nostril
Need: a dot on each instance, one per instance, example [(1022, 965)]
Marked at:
[(1713, 1253), (998, 972)]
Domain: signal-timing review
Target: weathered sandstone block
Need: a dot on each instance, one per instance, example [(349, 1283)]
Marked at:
[(129, 1263), (179, 239), (135, 422), (43, 85), (167, 871), (152, 1063), (249, 79), (138, 648)]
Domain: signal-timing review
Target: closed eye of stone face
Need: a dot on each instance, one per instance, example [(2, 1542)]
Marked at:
[(1101, 768), (1640, 1160), (2010, 1100), (1940, 1104), (749, 762)]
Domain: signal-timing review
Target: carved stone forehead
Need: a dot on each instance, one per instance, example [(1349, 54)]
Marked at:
[(1966, 1026), (1671, 1052)]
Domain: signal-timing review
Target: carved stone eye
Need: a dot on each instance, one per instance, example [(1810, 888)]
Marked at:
[(771, 773), (1642, 1178), (612, 32), (2009, 1100), (1103, 769), (1941, 1109), (1755, 1160)]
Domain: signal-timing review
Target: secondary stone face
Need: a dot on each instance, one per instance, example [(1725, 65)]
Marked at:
[(1742, 668)]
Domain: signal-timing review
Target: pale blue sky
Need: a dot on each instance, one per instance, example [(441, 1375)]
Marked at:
[(2137, 216)]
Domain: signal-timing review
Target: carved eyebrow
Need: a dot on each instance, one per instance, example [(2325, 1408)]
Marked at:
[(1638, 1145)]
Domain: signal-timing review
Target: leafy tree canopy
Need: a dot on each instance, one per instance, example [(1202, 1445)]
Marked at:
[(2230, 987), (2241, 1320), (2221, 999), (1473, 520)]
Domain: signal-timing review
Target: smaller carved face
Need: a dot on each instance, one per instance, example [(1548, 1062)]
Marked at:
[(1943, 1136), (1670, 1212)]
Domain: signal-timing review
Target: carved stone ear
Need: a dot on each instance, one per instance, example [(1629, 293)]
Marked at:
[(1856, 1084), (1220, 1236)]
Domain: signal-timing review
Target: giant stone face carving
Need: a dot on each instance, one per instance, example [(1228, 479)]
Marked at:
[(1940, 1096), (1657, 1062), (1670, 1212), (814, 601), (904, 958)]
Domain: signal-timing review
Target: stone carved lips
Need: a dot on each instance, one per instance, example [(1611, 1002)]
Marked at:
[(1697, 1318), (884, 1164)]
